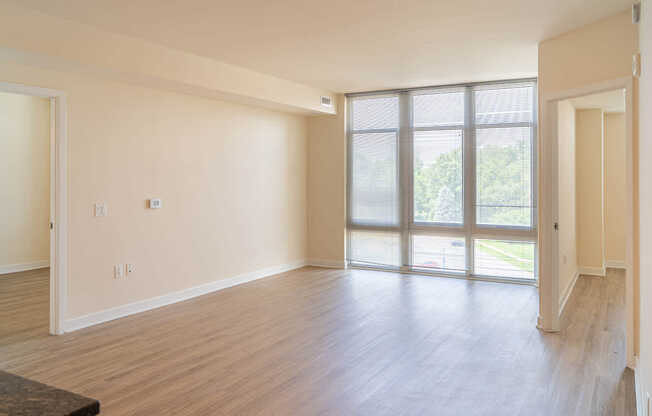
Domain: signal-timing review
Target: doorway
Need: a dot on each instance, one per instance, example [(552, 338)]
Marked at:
[(592, 187), (587, 209), (34, 221), (24, 221)]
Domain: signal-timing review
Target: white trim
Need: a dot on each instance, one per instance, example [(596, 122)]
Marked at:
[(29, 90), (59, 277), (630, 178), (567, 293), (52, 215), (593, 271), (330, 264), (589, 89), (174, 297), (615, 264), (58, 210), (21, 267), (548, 319), (638, 389), (603, 191)]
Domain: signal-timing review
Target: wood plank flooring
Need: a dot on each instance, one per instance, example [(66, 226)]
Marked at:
[(335, 342), (24, 306)]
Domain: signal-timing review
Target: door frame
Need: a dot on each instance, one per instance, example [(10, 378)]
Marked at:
[(549, 300), (58, 197)]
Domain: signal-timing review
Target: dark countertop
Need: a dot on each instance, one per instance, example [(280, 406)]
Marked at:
[(22, 397)]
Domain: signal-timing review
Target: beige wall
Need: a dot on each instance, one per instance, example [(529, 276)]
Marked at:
[(594, 53), (644, 368), (232, 179), (615, 187), (327, 187), (590, 220), (24, 180), (567, 203), (146, 121)]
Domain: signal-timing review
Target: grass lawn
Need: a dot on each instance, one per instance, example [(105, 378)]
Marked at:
[(519, 255)]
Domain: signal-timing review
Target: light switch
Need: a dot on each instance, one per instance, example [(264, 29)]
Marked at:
[(118, 271), (100, 209)]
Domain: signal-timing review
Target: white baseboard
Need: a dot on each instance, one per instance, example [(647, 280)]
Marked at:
[(331, 264), (22, 267), (567, 293), (615, 264), (174, 297), (593, 271)]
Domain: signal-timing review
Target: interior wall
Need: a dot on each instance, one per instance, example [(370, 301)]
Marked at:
[(567, 201), (327, 187), (232, 179), (591, 54), (589, 170), (24, 182), (615, 188), (644, 366)]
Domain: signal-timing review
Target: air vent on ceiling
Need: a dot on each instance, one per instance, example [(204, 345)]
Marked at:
[(326, 101)]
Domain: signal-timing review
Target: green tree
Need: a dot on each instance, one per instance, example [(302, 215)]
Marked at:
[(503, 178), (504, 184), (448, 207), (438, 188)]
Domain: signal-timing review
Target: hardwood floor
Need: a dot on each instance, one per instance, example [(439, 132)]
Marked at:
[(334, 342), (24, 306)]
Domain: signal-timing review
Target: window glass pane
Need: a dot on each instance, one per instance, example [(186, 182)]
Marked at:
[(439, 252), (438, 176), (504, 258), (504, 105), (443, 109), (374, 193), (375, 113), (504, 176), (375, 247)]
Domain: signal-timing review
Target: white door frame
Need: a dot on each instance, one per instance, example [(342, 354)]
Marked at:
[(549, 307), (58, 197)]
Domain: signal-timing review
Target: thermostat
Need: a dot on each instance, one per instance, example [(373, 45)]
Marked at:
[(155, 203)]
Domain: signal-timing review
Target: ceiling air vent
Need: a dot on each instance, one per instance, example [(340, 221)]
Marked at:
[(326, 101)]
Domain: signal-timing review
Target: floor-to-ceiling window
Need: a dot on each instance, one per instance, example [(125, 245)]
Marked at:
[(442, 180)]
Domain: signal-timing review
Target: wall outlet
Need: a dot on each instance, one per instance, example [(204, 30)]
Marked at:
[(100, 209), (118, 271), (155, 203), (130, 268)]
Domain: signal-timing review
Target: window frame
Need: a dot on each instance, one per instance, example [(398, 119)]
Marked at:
[(468, 229)]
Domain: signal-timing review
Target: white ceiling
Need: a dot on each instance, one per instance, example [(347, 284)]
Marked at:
[(349, 45), (611, 101)]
